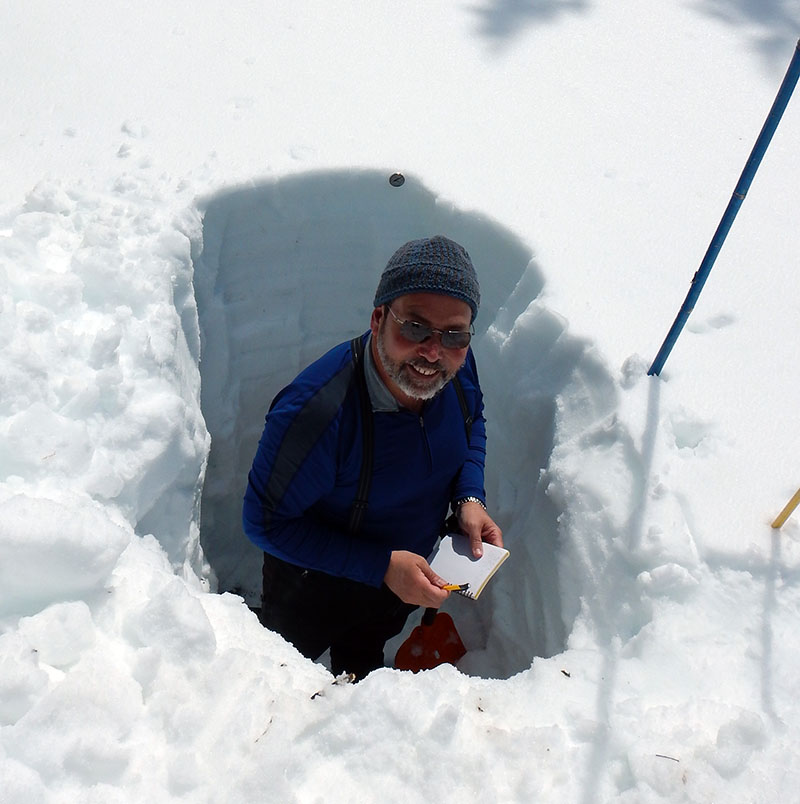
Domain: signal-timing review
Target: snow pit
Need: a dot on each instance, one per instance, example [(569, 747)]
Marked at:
[(288, 268)]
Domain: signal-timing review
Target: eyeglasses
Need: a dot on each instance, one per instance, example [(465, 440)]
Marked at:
[(419, 333)]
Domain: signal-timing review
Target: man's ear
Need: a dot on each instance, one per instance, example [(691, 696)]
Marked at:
[(375, 319)]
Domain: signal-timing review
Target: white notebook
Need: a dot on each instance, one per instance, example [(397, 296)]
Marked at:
[(453, 561)]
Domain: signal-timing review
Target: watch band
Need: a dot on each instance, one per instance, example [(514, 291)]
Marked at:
[(461, 500)]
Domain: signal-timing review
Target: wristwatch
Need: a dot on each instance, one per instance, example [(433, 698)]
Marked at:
[(461, 500)]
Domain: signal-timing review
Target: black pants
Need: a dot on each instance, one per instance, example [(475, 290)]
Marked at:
[(315, 611)]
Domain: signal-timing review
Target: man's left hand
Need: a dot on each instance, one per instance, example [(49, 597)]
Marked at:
[(476, 523)]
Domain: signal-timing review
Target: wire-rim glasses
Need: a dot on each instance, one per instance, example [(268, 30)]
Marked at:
[(419, 333)]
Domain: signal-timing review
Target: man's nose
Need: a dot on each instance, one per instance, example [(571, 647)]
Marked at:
[(431, 348)]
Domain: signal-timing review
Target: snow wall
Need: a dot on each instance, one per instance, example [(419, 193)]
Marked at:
[(287, 268), (100, 420)]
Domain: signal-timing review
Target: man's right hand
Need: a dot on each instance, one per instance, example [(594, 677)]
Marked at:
[(411, 578)]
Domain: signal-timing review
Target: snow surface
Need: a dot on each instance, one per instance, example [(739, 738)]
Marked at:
[(195, 204)]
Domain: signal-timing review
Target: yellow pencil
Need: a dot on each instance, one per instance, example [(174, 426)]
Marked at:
[(789, 507), (455, 587)]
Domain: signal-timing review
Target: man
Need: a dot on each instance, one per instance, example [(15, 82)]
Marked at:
[(362, 456)]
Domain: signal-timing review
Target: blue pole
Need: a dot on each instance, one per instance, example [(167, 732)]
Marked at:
[(699, 279)]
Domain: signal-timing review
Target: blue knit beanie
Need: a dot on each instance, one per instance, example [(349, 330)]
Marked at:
[(430, 265)]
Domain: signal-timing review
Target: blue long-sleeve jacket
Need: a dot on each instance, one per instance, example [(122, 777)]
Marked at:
[(306, 471)]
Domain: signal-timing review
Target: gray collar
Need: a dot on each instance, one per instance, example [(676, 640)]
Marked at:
[(379, 395)]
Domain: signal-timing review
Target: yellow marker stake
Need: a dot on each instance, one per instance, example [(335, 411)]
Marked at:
[(787, 511)]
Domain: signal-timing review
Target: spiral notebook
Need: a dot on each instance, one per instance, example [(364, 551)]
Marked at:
[(453, 561)]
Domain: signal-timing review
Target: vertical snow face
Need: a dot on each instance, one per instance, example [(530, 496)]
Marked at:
[(288, 268), (99, 383)]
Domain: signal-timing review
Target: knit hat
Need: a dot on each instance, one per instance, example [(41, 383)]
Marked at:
[(430, 265)]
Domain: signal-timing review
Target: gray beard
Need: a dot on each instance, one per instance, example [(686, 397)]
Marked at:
[(400, 375)]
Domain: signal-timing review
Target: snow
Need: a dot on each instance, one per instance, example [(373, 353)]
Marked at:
[(196, 203)]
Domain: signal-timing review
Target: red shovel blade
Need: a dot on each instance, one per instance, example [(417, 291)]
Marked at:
[(430, 645)]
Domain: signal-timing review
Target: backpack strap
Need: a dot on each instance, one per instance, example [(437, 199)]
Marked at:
[(361, 501), (462, 401)]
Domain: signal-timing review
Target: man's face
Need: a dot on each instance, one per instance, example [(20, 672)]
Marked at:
[(417, 371)]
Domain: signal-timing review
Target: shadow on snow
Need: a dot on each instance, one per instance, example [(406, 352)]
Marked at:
[(286, 269)]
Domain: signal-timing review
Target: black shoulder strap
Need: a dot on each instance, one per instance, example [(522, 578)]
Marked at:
[(462, 400), (367, 438)]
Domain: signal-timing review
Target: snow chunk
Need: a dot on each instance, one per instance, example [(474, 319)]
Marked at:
[(54, 551), (173, 621), (60, 633), (21, 680)]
